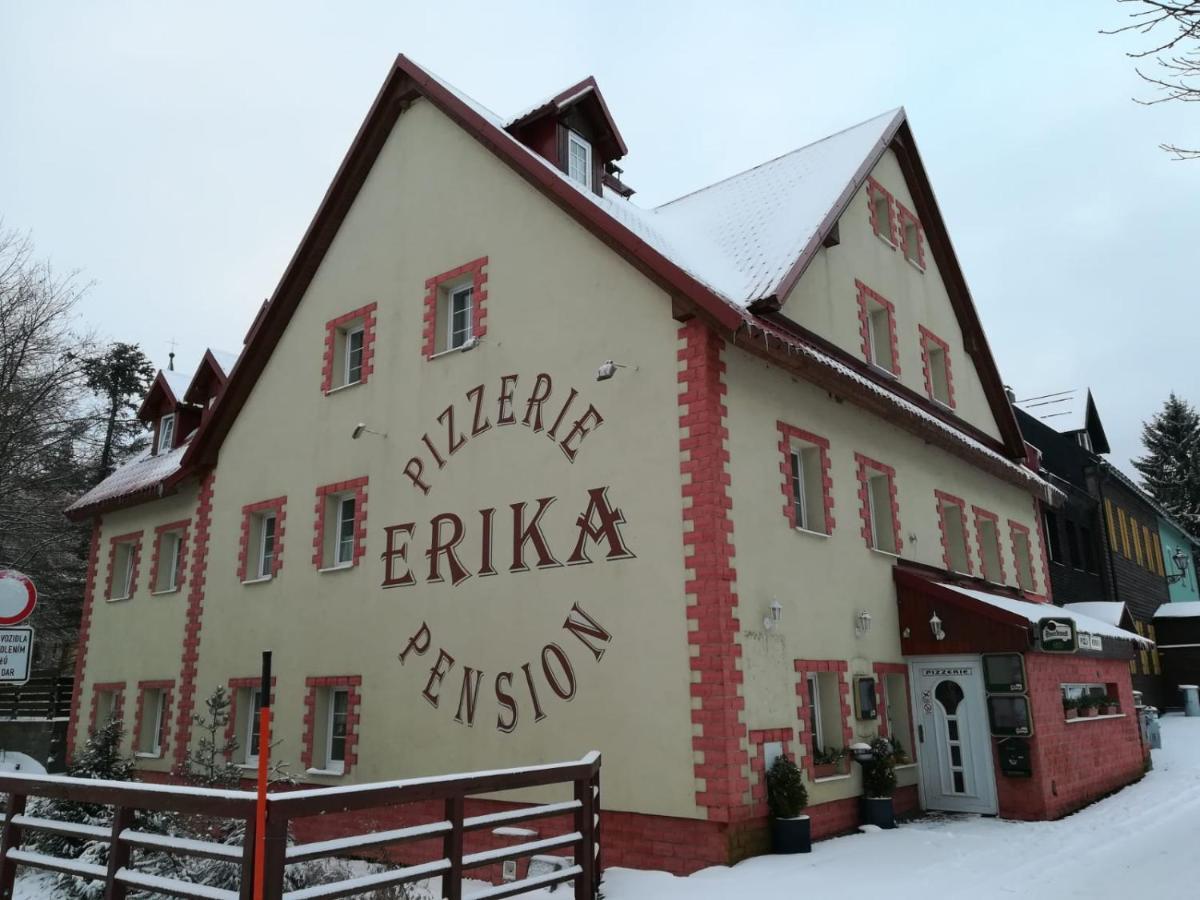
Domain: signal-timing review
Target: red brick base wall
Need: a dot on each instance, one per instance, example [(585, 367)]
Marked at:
[(1077, 763)]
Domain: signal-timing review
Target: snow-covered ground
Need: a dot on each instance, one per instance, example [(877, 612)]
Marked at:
[(1141, 840)]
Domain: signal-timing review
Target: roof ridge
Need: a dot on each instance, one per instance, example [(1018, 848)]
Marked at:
[(775, 159)]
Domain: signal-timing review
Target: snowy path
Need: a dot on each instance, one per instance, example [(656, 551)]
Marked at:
[(1143, 839)]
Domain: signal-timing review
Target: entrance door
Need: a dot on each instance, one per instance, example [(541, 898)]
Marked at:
[(955, 752)]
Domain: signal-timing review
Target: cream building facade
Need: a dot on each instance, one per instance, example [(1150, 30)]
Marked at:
[(466, 550)]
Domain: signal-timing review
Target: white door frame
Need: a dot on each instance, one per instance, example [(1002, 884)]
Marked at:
[(926, 752)]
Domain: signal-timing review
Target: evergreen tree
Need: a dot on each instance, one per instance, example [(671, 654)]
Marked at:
[(1171, 467), (121, 376)]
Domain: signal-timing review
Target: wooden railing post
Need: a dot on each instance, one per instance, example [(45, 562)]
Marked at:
[(585, 881), (452, 848), (10, 839), (275, 856), (596, 832), (247, 891), (118, 853)]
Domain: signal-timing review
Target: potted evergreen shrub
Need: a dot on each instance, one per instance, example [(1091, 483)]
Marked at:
[(1071, 707), (900, 756), (879, 781), (1089, 706), (786, 798), (1112, 706)]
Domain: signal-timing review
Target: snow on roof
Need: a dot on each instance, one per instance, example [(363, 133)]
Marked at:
[(1035, 612), (1104, 610), (225, 359), (141, 473), (177, 381), (553, 99), (759, 221), (1188, 609), (1064, 411)]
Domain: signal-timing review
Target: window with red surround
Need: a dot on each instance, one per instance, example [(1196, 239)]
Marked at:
[(349, 349), (168, 557), (260, 551), (331, 715), (340, 526), (882, 210), (912, 236), (935, 363), (877, 326), (758, 762), (108, 702), (455, 308), (151, 723), (240, 730), (1022, 551), (879, 507), (894, 702), (823, 708), (124, 559), (952, 523), (807, 484), (987, 542)]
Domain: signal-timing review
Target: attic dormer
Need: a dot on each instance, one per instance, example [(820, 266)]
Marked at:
[(161, 410), (208, 382), (575, 132)]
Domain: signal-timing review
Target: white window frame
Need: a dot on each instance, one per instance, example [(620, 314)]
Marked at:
[(874, 475), (156, 747), (125, 552), (331, 764), (173, 564), (873, 337), (452, 294), (264, 568), (166, 432), (575, 139), (956, 535), (347, 338), (982, 525), (339, 538), (1024, 567), (814, 711), (799, 495), (250, 723), (934, 352)]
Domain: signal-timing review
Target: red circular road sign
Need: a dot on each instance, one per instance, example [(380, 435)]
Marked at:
[(18, 597)]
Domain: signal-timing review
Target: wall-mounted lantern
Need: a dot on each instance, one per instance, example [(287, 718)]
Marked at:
[(775, 616), (935, 625), (862, 624), (1179, 558)]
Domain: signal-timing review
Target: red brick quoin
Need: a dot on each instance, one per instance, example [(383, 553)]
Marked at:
[(277, 505), (135, 538), (944, 499), (787, 434), (866, 465), (351, 683), (927, 338), (477, 269), (865, 294), (367, 315), (85, 628), (359, 487), (182, 527), (190, 656), (167, 687), (117, 688), (718, 742), (1041, 531)]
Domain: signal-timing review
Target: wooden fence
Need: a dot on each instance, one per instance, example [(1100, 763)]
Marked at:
[(42, 697), (444, 832)]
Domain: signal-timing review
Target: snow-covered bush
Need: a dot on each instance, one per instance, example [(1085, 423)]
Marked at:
[(786, 794), (879, 772)]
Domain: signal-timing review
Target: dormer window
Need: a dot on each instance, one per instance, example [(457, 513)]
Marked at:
[(579, 159), (166, 433)]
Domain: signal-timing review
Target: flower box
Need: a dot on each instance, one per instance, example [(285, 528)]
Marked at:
[(1071, 712), (829, 770), (1091, 712), (1112, 709)]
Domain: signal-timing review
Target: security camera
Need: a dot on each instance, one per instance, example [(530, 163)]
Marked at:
[(358, 431)]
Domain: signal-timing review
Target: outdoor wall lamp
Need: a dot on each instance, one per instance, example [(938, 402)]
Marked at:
[(608, 369), (1181, 563), (360, 429), (775, 616), (862, 624), (469, 344), (935, 625)]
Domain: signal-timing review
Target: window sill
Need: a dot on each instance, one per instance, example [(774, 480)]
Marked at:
[(449, 352), (941, 404), (248, 766), (344, 567), (911, 765), (1093, 718), (829, 778), (262, 580), (117, 599), (880, 370), (883, 237), (888, 553), (174, 590), (916, 265), (334, 773), (141, 754), (344, 387), (810, 532)]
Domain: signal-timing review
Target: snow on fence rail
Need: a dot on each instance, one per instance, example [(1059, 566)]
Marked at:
[(443, 838)]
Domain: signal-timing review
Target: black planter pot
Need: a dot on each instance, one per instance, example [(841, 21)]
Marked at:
[(791, 835), (878, 811)]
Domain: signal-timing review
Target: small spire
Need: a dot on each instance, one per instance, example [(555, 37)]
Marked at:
[(171, 361)]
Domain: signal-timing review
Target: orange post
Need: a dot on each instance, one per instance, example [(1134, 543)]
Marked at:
[(264, 757)]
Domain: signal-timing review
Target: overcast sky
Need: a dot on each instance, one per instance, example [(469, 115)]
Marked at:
[(175, 155)]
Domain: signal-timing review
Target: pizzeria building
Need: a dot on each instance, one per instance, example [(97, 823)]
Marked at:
[(510, 468)]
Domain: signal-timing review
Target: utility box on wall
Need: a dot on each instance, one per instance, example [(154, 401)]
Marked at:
[(864, 698), (1016, 758)]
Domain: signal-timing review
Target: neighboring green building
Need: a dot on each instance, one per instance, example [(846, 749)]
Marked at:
[(1179, 560)]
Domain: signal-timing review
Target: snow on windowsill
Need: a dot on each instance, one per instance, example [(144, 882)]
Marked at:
[(343, 387), (1093, 718), (262, 580), (330, 772), (117, 599), (828, 778), (887, 553), (340, 568), (916, 265), (251, 766), (449, 352), (142, 754), (174, 590), (880, 370), (810, 532)]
